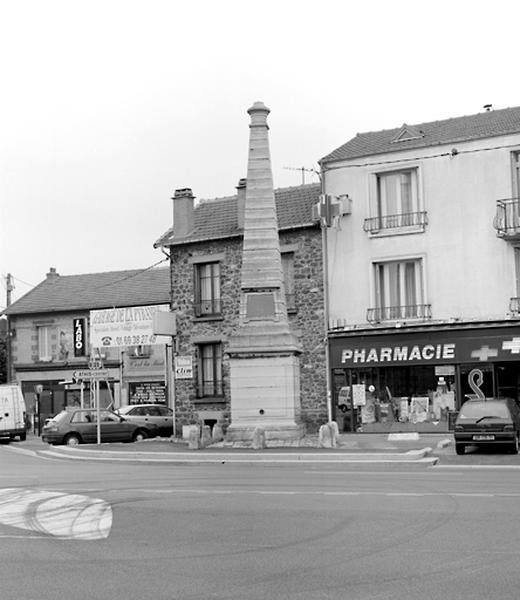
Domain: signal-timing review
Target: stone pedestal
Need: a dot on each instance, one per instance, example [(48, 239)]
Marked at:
[(265, 393)]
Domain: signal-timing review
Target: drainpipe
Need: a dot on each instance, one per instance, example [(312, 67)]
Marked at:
[(324, 250)]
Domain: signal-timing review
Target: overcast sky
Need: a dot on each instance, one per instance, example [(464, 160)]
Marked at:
[(106, 107)]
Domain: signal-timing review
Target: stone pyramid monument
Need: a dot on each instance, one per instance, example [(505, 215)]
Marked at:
[(264, 353)]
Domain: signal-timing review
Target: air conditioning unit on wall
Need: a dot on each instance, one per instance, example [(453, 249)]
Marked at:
[(345, 202)]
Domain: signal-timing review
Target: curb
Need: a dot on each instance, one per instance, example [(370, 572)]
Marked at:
[(410, 457)]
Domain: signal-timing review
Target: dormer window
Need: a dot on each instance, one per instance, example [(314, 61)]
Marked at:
[(407, 133)]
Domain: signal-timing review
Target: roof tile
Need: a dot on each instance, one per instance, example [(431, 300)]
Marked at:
[(217, 219), (96, 290), (481, 125)]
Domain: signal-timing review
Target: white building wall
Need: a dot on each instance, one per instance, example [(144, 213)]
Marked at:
[(469, 272)]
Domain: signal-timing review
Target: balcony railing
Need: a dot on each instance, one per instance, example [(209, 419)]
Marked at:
[(413, 219), (208, 308), (514, 305), (507, 219), (399, 313)]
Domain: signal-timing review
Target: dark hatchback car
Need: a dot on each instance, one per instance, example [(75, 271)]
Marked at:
[(78, 426), (488, 422)]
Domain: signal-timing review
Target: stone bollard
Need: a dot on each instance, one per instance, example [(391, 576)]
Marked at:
[(324, 437), (258, 439), (205, 438), (194, 438), (334, 433), (217, 435)]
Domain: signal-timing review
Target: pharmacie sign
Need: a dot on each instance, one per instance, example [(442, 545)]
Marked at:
[(122, 327), (436, 347)]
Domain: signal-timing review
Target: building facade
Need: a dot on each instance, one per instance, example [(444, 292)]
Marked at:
[(50, 341), (425, 271), (205, 248)]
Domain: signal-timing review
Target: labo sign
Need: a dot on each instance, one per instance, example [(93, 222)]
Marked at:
[(393, 354)]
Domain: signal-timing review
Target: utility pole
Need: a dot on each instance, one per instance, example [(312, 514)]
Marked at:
[(9, 286)]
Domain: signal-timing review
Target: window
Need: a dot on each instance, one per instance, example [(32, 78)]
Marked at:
[(210, 370), (399, 291), (288, 276), (207, 289), (44, 344), (396, 202)]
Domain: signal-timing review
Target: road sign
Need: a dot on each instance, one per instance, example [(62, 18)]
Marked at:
[(92, 374), (183, 367)]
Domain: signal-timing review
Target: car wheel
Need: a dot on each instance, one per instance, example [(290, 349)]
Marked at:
[(460, 448), (139, 435), (72, 440)]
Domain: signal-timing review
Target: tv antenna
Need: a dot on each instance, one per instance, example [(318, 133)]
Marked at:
[(303, 170)]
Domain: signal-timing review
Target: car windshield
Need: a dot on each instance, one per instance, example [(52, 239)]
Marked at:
[(482, 410)]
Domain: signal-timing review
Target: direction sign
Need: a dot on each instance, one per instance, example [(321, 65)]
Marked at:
[(92, 374)]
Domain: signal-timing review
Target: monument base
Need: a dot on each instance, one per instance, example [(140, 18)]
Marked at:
[(265, 394), (273, 432)]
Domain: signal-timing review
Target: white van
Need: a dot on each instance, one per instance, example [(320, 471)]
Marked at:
[(12, 412)]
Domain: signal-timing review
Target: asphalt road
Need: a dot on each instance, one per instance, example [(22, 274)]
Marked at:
[(114, 531)]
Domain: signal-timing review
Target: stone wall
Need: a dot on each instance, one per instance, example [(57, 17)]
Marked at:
[(307, 322)]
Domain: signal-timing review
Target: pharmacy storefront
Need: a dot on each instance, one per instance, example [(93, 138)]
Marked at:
[(417, 380)]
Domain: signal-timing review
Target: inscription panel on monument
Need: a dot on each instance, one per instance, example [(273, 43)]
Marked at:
[(260, 305)]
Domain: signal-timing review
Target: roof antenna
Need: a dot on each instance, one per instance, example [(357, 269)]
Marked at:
[(487, 107), (303, 171)]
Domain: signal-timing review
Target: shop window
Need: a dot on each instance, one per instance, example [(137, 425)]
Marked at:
[(44, 344), (288, 274), (209, 370), (397, 203), (399, 291), (207, 289)]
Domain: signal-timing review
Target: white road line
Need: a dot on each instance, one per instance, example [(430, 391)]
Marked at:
[(235, 492)]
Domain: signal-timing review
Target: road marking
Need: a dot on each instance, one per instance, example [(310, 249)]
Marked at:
[(65, 516), (235, 492)]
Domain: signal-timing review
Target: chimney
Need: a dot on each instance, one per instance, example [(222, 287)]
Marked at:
[(241, 202), (182, 212), (52, 275)]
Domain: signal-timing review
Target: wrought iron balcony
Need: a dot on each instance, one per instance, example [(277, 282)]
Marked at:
[(399, 313), (413, 219), (507, 219), (514, 306), (208, 308)]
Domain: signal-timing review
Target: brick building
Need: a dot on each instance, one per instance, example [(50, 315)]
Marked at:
[(205, 248)]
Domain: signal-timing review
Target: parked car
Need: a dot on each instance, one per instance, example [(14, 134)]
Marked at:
[(485, 422), (160, 415), (78, 426)]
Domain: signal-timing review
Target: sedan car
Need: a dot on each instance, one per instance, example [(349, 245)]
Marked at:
[(78, 426), (488, 421), (158, 414)]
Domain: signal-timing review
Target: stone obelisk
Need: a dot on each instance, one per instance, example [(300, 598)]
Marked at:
[(264, 353)]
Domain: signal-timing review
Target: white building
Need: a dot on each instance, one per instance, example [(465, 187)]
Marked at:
[(424, 271)]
